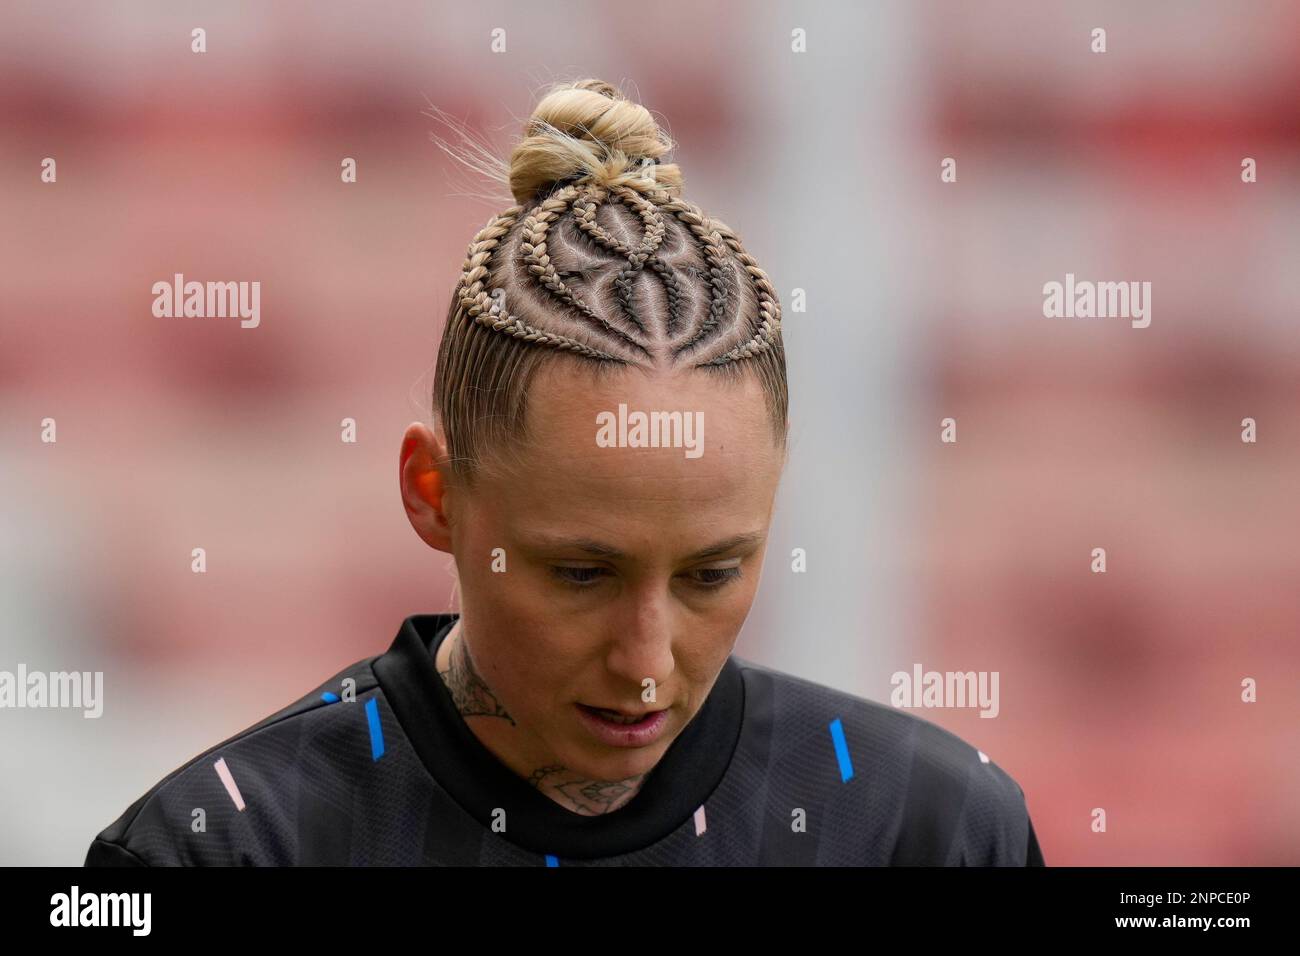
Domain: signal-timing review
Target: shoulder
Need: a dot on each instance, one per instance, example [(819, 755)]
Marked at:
[(933, 797), (238, 801)]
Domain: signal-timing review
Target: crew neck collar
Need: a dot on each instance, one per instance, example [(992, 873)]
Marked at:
[(688, 773)]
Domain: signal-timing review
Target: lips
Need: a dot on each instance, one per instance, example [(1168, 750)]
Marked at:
[(621, 728), (617, 715)]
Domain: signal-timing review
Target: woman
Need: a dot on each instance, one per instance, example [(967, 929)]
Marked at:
[(611, 413)]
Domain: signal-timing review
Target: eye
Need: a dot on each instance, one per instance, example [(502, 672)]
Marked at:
[(707, 579), (714, 578), (581, 577)]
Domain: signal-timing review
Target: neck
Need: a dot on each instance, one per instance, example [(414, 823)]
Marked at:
[(499, 733)]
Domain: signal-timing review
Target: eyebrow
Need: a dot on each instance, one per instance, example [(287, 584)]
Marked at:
[(602, 550)]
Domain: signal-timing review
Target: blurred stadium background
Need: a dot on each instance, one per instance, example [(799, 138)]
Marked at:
[(1118, 691)]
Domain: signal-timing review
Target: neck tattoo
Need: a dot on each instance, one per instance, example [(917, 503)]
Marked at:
[(474, 698)]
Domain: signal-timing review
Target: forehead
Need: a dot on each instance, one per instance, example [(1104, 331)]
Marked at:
[(564, 480)]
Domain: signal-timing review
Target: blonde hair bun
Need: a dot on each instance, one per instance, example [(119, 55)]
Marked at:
[(588, 131)]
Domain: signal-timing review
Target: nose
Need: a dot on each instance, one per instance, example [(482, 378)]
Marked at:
[(642, 644)]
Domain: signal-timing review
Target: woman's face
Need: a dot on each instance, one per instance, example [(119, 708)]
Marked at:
[(614, 566)]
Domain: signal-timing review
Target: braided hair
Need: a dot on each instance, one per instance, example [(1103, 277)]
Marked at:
[(603, 261)]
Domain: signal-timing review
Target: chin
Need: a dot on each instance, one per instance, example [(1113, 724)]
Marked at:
[(611, 763)]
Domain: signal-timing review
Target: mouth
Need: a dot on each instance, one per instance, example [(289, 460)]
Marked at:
[(623, 728), (616, 716)]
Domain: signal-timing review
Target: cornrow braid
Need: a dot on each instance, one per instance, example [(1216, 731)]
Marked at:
[(585, 219), (711, 244), (769, 306), (533, 248), (477, 304)]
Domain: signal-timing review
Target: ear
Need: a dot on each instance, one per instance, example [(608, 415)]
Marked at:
[(423, 485)]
